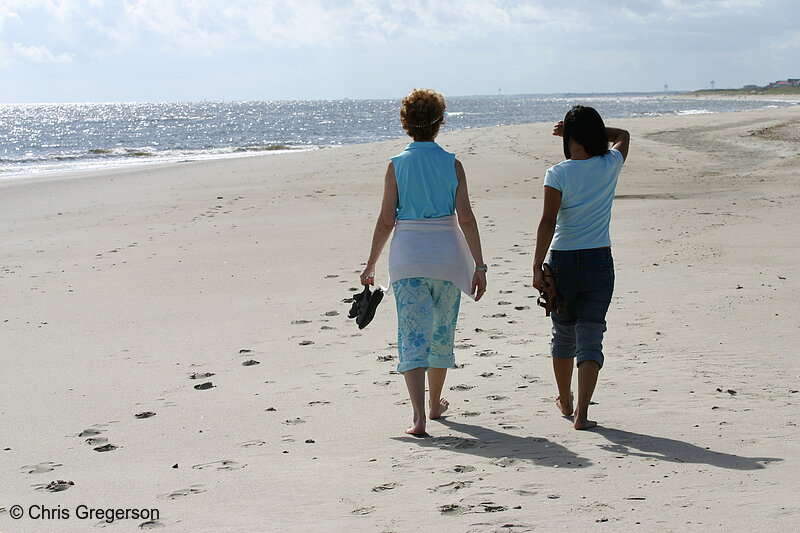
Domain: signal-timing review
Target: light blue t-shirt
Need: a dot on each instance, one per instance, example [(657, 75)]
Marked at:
[(426, 181), (587, 190)]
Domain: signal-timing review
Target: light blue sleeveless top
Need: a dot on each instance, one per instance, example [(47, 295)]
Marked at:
[(426, 182), (587, 191)]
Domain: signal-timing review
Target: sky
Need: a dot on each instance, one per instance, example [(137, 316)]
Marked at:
[(170, 50)]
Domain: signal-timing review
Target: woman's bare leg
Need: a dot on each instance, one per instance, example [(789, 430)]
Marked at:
[(587, 379), (562, 368), (415, 382), (438, 405)]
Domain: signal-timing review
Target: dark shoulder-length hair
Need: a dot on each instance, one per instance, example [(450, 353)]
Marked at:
[(585, 126)]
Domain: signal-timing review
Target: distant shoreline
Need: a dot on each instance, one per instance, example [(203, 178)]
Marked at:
[(732, 95)]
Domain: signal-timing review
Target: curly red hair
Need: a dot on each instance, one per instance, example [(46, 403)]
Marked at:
[(422, 113)]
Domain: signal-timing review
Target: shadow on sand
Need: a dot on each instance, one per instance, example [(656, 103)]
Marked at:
[(504, 448), (675, 451)]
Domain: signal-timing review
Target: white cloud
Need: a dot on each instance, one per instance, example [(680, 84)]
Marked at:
[(39, 54)]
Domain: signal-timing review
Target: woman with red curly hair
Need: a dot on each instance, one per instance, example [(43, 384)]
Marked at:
[(435, 253)]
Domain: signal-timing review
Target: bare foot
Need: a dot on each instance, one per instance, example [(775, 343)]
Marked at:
[(418, 429), (437, 410), (581, 422), (565, 408)]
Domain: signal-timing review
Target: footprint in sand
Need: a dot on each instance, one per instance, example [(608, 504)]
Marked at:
[(200, 375), (90, 432), (458, 443), (319, 402), (145, 414), (174, 495), (450, 488), (41, 468), (491, 507), (92, 441), (245, 351), (504, 462), (385, 486), (224, 464), (204, 386), (462, 387), (251, 362), (106, 448), (251, 443), (463, 468), (152, 524), (454, 508), (305, 343), (54, 486), (294, 421), (301, 322), (361, 511)]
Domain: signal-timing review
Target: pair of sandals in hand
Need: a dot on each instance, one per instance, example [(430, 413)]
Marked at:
[(364, 305), (549, 298)]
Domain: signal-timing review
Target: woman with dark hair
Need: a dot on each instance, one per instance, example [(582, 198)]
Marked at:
[(574, 227), (435, 253)]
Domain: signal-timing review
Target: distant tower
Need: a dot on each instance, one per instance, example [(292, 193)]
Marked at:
[(666, 88), (712, 85), (499, 91)]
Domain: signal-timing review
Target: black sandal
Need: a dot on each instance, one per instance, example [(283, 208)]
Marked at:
[(358, 300), (364, 305), (368, 311)]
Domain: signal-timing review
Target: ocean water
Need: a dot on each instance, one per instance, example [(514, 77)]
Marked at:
[(39, 138)]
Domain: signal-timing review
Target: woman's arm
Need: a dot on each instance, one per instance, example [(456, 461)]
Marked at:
[(544, 235), (620, 140), (383, 226), (469, 226)]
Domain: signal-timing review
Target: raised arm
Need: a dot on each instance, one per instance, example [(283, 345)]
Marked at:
[(620, 140), (383, 226), (469, 226)]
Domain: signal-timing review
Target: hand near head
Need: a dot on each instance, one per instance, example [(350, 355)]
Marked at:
[(478, 284), (368, 275), (558, 129)]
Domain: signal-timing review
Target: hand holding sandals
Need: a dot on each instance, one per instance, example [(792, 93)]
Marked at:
[(368, 275), (545, 282)]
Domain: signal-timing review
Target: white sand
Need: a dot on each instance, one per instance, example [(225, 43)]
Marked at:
[(117, 285)]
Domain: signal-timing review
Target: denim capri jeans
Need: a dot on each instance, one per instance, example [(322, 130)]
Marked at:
[(427, 312), (585, 279)]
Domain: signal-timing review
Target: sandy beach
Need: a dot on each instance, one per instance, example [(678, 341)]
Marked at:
[(174, 338)]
